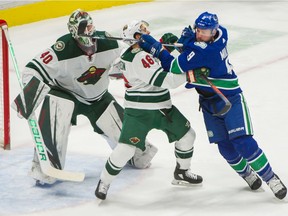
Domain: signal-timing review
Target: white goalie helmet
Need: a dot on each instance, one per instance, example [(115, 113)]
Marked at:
[(129, 30), (80, 25)]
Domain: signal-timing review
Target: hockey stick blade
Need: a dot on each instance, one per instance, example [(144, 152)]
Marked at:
[(36, 133), (227, 106), (184, 183), (64, 175)]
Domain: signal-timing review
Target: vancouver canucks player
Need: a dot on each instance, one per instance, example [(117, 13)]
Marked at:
[(205, 45), (75, 72)]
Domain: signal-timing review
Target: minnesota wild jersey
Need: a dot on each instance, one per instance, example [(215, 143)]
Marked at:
[(66, 66), (146, 82)]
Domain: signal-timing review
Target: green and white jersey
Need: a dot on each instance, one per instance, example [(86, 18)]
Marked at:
[(67, 67), (146, 81)]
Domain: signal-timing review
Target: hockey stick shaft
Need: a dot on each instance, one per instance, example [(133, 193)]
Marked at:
[(228, 104), (178, 45), (36, 132)]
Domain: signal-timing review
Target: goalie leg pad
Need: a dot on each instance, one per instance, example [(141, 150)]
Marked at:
[(55, 123), (111, 124), (38, 175), (142, 159), (29, 99)]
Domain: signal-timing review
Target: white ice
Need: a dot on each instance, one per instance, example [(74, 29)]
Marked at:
[(259, 52)]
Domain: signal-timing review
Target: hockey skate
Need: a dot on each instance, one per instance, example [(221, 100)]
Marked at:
[(142, 159), (101, 190), (277, 186), (253, 180), (186, 178), (39, 176)]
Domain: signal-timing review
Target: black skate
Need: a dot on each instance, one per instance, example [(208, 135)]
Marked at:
[(277, 187), (253, 180), (186, 178), (101, 190)]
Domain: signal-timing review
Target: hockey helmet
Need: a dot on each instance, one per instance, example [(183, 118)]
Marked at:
[(80, 25), (207, 21), (130, 30)]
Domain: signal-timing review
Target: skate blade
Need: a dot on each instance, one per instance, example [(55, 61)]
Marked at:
[(98, 201), (184, 183)]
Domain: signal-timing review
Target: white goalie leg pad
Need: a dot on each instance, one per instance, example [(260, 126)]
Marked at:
[(61, 111), (142, 159), (29, 99), (110, 123), (59, 118), (185, 146), (38, 175)]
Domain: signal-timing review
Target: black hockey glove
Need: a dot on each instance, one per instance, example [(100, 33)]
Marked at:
[(187, 35)]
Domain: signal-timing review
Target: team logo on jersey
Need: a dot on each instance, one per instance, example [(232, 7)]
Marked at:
[(134, 140), (59, 46), (91, 76), (202, 45)]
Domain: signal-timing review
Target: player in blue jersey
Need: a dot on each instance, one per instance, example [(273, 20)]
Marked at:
[(204, 46)]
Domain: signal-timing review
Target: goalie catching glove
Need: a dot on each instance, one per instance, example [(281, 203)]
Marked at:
[(29, 99), (196, 74)]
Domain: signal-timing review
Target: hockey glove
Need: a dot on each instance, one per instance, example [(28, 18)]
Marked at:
[(169, 38), (150, 45), (30, 98), (195, 75), (186, 36)]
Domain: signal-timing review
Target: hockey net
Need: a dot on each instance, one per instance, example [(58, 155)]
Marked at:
[(4, 90)]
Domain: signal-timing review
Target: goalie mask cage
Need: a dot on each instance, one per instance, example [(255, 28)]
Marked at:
[(4, 90)]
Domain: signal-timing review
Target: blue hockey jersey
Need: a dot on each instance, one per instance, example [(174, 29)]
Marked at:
[(212, 55)]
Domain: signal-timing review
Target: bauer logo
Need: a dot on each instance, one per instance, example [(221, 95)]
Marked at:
[(38, 139), (236, 130)]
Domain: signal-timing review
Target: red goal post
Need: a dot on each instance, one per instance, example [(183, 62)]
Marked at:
[(4, 90)]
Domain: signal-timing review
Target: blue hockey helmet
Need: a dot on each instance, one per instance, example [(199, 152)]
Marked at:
[(207, 21)]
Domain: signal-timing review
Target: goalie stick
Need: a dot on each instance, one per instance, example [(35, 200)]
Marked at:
[(40, 147), (178, 45), (81, 32), (82, 27), (227, 106)]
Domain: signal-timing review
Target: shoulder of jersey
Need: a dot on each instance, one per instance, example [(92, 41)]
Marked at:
[(105, 44), (130, 54)]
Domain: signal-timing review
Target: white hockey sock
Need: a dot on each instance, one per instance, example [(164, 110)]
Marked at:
[(117, 160)]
